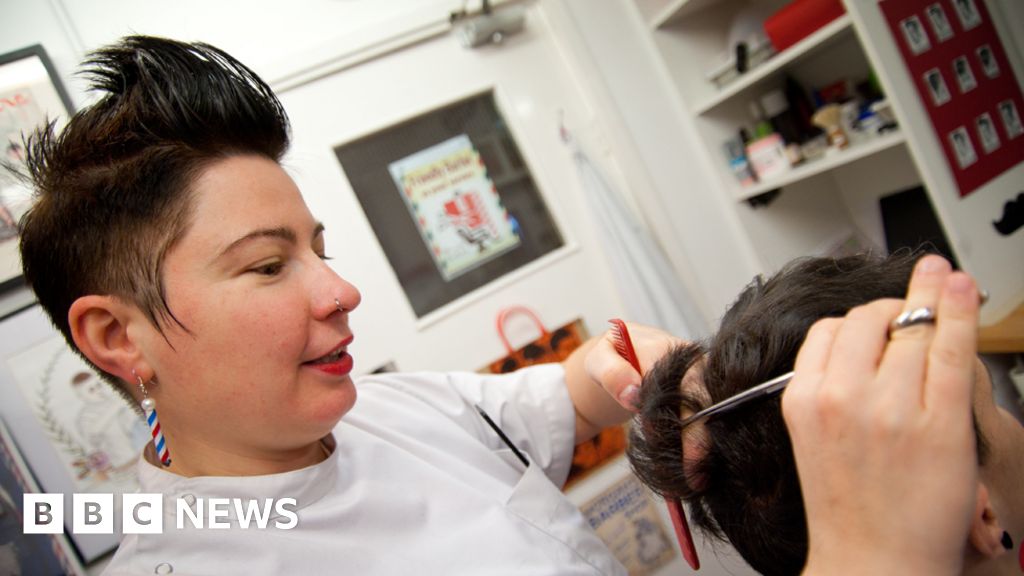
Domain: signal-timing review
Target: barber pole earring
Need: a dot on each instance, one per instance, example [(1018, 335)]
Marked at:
[(149, 407)]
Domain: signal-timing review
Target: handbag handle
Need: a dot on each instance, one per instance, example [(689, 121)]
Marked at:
[(503, 316)]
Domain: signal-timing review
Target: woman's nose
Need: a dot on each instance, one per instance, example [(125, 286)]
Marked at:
[(347, 296), (335, 292)]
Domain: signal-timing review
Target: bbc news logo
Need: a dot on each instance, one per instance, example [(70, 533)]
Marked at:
[(144, 513)]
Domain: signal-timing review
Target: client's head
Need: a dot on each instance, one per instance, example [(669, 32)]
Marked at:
[(736, 470)]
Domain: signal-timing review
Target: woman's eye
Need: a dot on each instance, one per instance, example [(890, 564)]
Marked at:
[(271, 269)]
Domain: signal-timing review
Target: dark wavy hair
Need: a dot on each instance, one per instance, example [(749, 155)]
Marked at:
[(112, 189), (741, 484)]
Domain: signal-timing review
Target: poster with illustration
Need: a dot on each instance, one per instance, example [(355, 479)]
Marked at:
[(96, 434), (452, 201), (625, 518), (455, 205), (75, 433), (30, 95)]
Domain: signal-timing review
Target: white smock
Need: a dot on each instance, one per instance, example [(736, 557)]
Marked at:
[(416, 483)]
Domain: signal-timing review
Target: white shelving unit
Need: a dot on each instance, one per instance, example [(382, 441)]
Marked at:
[(679, 9), (836, 195), (779, 62), (690, 35), (834, 159)]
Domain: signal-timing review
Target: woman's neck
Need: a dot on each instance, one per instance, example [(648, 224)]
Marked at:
[(202, 459)]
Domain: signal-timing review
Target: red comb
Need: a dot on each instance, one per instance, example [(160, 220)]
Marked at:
[(675, 511), (624, 346)]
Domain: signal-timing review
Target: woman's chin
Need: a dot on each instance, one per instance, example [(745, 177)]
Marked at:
[(331, 409)]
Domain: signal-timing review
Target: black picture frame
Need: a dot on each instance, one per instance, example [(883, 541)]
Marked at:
[(30, 88), (478, 121)]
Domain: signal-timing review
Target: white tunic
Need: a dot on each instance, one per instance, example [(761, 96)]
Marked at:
[(417, 483)]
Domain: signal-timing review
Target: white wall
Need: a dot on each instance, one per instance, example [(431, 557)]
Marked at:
[(390, 89), (276, 39), (667, 170)]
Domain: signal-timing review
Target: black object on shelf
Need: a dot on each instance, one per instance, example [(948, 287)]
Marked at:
[(909, 221), (764, 198)]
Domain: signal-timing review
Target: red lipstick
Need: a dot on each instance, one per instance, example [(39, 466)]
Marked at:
[(337, 362)]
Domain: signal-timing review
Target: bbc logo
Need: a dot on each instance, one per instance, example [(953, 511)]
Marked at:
[(93, 514), (144, 513)]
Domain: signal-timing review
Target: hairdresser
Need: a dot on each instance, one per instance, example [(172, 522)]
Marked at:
[(174, 253)]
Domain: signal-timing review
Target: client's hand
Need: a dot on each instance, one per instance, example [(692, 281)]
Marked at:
[(882, 431), (614, 373)]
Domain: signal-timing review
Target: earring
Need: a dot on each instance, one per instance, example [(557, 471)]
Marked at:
[(149, 407)]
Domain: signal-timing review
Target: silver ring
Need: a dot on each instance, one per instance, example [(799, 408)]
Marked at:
[(337, 304), (923, 315)]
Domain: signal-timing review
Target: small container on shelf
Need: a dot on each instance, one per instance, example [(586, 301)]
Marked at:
[(745, 55), (767, 156), (735, 153), (829, 119), (799, 19)]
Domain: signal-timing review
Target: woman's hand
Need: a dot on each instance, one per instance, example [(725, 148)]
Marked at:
[(882, 431), (607, 367)]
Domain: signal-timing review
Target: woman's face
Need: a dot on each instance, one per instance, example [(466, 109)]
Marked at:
[(262, 363)]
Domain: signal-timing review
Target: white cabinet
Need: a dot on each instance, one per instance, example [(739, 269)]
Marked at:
[(831, 203)]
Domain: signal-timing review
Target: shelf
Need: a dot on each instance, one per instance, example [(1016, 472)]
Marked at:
[(834, 160), (678, 9), (830, 31)]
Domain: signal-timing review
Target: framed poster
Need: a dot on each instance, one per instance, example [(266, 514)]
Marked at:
[(20, 553), (625, 518), (76, 434), (450, 199), (31, 95), (964, 79), (455, 205)]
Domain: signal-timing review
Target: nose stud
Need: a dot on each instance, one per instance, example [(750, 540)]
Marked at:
[(337, 304)]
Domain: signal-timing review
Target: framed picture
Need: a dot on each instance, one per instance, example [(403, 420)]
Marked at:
[(987, 134), (940, 24), (31, 95), (76, 434), (937, 86), (965, 155), (20, 553), (967, 13), (451, 200), (915, 36), (964, 75), (1011, 120), (988, 61)]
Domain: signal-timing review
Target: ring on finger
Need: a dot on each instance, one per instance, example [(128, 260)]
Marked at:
[(913, 317)]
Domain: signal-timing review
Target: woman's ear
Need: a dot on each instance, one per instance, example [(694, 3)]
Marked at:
[(99, 327), (986, 536)]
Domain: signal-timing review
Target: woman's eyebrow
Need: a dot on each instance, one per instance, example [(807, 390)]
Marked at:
[(282, 233)]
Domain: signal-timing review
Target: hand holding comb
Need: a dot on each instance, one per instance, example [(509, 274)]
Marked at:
[(624, 346)]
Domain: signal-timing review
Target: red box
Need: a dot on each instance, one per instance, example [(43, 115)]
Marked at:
[(799, 19)]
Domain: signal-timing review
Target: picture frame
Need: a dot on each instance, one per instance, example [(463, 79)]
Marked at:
[(31, 94), (74, 431), (49, 554), (452, 201)]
